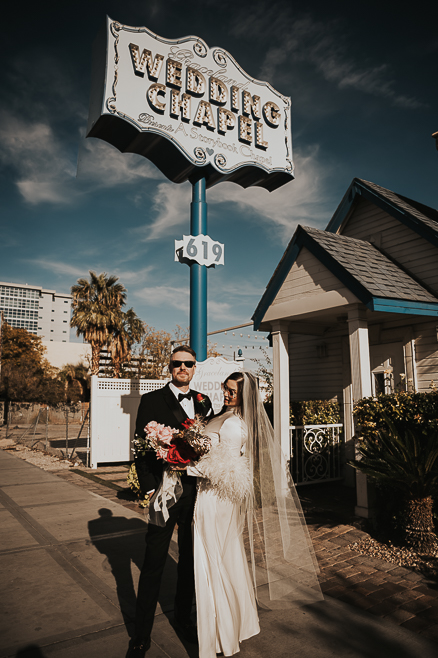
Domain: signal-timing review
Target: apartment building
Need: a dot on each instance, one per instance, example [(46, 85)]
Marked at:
[(42, 312)]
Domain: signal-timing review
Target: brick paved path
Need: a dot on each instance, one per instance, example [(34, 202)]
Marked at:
[(396, 593)]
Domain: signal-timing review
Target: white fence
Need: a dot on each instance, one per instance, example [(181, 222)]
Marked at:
[(114, 405)]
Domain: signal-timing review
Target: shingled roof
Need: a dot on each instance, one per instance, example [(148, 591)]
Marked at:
[(368, 266), (374, 278), (419, 217)]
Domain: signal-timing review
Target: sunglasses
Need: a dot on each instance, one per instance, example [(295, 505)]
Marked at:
[(232, 394), (178, 364)]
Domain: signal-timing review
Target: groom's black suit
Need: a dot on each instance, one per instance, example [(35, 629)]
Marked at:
[(162, 406)]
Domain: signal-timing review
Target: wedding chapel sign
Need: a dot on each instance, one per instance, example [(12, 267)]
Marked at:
[(190, 109), (210, 374)]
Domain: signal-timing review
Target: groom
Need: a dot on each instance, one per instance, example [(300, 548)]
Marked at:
[(170, 405)]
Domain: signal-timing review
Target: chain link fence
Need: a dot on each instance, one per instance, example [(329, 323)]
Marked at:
[(63, 430)]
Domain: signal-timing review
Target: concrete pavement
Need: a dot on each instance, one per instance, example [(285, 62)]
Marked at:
[(69, 564)]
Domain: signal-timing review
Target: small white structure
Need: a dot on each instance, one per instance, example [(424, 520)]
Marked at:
[(353, 310), (114, 405), (58, 354)]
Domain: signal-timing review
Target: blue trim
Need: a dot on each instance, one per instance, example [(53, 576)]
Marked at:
[(344, 207), (358, 188), (403, 306)]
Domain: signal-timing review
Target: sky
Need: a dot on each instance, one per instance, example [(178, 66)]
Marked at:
[(363, 82)]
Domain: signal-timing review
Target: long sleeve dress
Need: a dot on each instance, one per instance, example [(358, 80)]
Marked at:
[(225, 601)]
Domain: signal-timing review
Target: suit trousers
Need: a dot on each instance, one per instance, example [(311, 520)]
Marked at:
[(157, 546)]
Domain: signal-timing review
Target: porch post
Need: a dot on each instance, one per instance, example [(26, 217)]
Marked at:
[(280, 345), (409, 359), (361, 388)]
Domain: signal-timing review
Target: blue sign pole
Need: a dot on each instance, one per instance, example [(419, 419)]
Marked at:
[(198, 274)]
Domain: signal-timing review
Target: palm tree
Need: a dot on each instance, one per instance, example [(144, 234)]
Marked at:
[(74, 376), (97, 305), (129, 330), (407, 461)]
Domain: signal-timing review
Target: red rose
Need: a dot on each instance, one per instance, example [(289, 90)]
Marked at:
[(188, 423), (199, 398), (180, 453)]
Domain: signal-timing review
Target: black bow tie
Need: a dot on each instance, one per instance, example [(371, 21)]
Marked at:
[(182, 396)]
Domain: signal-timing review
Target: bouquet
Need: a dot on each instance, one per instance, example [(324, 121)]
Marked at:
[(175, 447), (158, 438)]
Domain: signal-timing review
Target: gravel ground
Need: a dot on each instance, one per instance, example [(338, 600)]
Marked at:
[(400, 555), (42, 459)]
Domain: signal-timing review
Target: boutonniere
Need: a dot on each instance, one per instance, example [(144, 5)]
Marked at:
[(200, 399)]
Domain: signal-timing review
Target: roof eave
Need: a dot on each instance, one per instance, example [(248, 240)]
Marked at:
[(359, 188)]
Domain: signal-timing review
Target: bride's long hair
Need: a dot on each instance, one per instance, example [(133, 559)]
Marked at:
[(283, 562)]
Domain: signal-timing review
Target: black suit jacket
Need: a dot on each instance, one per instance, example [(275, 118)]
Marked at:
[(162, 406)]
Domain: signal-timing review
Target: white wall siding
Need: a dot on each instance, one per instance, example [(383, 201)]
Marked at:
[(368, 222), (426, 354), (307, 277), (315, 367)]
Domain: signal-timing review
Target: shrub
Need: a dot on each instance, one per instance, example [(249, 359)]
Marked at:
[(417, 412), (315, 412)]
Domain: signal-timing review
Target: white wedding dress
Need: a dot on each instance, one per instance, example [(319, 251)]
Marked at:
[(225, 601)]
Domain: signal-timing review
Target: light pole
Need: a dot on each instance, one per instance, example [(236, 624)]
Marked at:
[(198, 274)]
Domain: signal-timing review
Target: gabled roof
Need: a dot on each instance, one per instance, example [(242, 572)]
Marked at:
[(377, 281), (418, 217)]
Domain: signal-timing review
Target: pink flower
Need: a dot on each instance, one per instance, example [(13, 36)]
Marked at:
[(162, 453), (166, 435), (152, 428)]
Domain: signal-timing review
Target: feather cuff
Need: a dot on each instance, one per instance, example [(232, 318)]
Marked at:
[(228, 476)]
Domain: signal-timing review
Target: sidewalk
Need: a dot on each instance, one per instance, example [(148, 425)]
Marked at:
[(69, 565)]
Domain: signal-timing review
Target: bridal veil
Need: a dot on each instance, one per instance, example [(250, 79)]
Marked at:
[(282, 560)]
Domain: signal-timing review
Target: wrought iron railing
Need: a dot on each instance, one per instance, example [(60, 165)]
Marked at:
[(316, 453)]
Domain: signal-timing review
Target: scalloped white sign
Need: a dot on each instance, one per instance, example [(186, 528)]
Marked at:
[(209, 376), (213, 117)]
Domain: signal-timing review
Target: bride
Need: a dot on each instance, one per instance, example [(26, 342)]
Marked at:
[(250, 538)]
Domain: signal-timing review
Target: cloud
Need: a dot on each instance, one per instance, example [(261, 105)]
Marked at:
[(165, 296), (45, 167), (171, 203), (178, 298), (101, 165), (324, 45), (305, 200), (58, 267), (36, 155), (133, 276)]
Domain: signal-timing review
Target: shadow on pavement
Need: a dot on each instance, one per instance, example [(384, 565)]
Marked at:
[(122, 541), (31, 651)]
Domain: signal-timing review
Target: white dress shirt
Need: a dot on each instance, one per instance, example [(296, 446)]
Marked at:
[(187, 405)]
